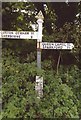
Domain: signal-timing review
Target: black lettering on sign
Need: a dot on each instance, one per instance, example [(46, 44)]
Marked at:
[(27, 32), (52, 45), (20, 32), (31, 36), (32, 33), (68, 45), (44, 46)]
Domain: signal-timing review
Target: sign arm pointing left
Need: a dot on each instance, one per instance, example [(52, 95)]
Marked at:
[(18, 34)]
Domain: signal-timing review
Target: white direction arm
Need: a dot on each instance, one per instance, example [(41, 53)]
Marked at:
[(19, 34), (49, 45)]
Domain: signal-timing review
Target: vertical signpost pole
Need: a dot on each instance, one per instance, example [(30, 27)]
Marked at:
[(39, 80), (40, 22)]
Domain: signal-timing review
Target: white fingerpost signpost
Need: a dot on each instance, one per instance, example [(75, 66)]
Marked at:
[(39, 40), (40, 45), (39, 79)]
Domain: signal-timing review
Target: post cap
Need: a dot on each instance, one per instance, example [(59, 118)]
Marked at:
[(40, 15)]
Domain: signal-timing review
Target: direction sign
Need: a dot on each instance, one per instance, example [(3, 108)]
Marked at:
[(18, 34), (50, 45)]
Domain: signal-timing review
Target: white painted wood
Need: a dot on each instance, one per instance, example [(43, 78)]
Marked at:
[(50, 45), (19, 34), (40, 18), (39, 86)]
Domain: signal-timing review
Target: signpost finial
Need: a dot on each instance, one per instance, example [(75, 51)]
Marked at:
[(40, 15)]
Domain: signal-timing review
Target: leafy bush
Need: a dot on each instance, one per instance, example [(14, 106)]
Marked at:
[(20, 99)]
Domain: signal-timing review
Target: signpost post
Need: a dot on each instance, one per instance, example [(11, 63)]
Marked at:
[(39, 80), (40, 22), (40, 45), (39, 86)]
